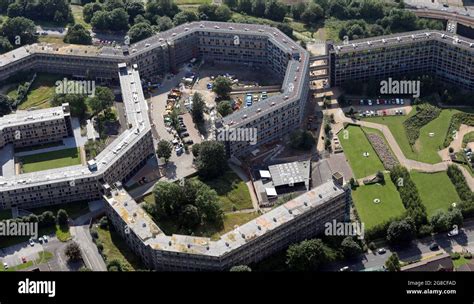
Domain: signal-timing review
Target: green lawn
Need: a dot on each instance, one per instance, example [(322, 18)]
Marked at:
[(461, 261), (115, 248), (41, 92), (50, 160), (232, 191), (426, 147), (78, 16), (372, 214), (73, 210), (436, 190), (355, 143), (62, 233)]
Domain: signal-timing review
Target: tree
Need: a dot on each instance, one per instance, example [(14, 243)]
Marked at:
[(77, 34), (400, 232), (190, 216), (212, 160), (198, 108), (443, 220), (140, 31), (275, 10), (118, 20), (184, 16), (62, 217), (195, 149), (222, 86), (231, 3), (350, 248), (73, 252), (393, 263), (380, 176), (307, 255), (102, 100), (164, 150), (245, 6), (47, 219), (77, 103), (5, 45), (164, 23), (5, 105), (224, 108), (115, 265), (241, 268), (301, 140), (110, 5), (134, 8), (297, 10), (207, 11), (90, 9), (19, 30), (160, 8), (222, 13)]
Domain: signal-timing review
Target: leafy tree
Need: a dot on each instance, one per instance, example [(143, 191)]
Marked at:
[(135, 8), (301, 140), (102, 100), (400, 232), (164, 150), (350, 248), (241, 268), (22, 27), (77, 103), (164, 23), (140, 31), (160, 8), (73, 252), (443, 220), (231, 3), (195, 149), (307, 255), (5, 45), (190, 216), (5, 105), (115, 265), (207, 11), (245, 6), (62, 217), (77, 34), (118, 20), (184, 16), (275, 10), (47, 219), (212, 160), (312, 14), (222, 13), (393, 263), (198, 108), (222, 86), (224, 108), (297, 10), (90, 9), (110, 5)]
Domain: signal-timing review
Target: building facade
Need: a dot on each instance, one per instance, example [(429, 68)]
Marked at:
[(301, 218)]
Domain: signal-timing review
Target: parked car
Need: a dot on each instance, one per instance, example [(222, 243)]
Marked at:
[(5, 265), (40, 240), (184, 134), (434, 247), (381, 251), (32, 243), (189, 142), (345, 268)]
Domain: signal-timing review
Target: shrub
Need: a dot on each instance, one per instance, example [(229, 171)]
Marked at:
[(468, 255), (425, 113), (455, 256)]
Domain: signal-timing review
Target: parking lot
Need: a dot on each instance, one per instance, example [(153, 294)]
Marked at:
[(380, 106)]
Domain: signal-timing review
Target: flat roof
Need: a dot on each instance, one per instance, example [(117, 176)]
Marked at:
[(290, 173)]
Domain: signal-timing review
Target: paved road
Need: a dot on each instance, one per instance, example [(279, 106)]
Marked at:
[(414, 252), (81, 235)]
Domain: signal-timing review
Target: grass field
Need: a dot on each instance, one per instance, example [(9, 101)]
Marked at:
[(426, 147), (50, 160), (372, 214), (436, 190), (78, 17), (41, 92), (469, 137), (232, 191), (115, 248), (355, 143)]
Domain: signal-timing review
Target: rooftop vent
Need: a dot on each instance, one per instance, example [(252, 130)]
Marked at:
[(274, 219), (134, 214), (398, 39), (258, 110), (259, 228), (189, 245), (169, 243), (320, 195), (144, 225), (245, 116), (305, 203), (227, 244), (290, 212), (243, 236), (273, 103)]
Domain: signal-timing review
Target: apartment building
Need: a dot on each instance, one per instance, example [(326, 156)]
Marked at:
[(29, 128), (447, 56), (119, 160), (301, 218)]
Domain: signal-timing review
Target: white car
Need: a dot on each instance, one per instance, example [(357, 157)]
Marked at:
[(32, 242), (45, 238), (381, 251), (5, 265)]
